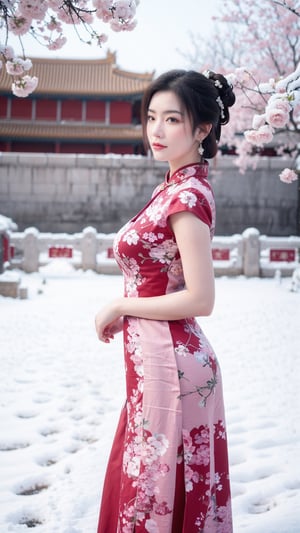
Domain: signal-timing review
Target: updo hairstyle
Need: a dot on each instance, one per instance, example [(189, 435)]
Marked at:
[(205, 97)]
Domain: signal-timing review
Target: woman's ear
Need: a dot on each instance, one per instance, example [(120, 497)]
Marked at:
[(203, 131)]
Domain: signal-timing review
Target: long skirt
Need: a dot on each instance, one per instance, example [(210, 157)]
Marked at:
[(168, 467)]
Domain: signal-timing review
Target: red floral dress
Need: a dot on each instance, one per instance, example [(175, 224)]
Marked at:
[(168, 468)]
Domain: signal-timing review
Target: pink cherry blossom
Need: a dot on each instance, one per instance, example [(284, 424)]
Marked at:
[(258, 121), (271, 32), (64, 16), (57, 44), (104, 9), (103, 4), (116, 25), (251, 136), (288, 176), (54, 25), (267, 87), (43, 19), (242, 75), (277, 118), (54, 4), (19, 25), (125, 10), (126, 26), (18, 66), (263, 135), (35, 9), (87, 18), (101, 39), (279, 102), (14, 67), (24, 86), (7, 52)]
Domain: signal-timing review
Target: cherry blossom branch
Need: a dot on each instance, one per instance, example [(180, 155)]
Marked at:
[(44, 20), (268, 33), (288, 6), (283, 99)]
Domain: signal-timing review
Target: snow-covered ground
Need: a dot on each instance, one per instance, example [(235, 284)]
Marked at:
[(61, 392)]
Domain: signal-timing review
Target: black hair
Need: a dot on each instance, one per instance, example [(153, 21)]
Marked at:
[(205, 97)]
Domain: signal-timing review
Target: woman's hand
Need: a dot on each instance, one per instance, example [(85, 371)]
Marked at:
[(108, 322)]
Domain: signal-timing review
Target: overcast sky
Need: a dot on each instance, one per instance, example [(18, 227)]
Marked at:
[(163, 27)]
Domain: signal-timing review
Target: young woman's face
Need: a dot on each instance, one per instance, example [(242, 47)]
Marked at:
[(169, 131)]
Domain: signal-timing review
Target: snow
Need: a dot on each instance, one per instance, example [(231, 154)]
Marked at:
[(61, 392), (7, 224)]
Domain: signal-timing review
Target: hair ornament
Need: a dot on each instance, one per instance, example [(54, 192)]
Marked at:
[(218, 84), (221, 106), (210, 75)]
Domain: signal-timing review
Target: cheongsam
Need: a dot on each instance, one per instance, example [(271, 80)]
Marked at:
[(168, 467)]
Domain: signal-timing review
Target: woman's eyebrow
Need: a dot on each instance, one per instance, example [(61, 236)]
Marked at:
[(167, 111)]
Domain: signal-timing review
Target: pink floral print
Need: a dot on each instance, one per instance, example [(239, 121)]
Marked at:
[(168, 469)]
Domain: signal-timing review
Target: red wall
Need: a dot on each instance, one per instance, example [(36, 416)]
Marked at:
[(71, 110), (122, 148), (31, 146), (120, 113), (21, 108), (5, 146), (46, 109), (81, 148), (3, 106), (67, 147), (95, 111)]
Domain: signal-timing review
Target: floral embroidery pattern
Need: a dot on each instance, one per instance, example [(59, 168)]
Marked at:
[(164, 252), (175, 434), (196, 455), (131, 237), (188, 198)]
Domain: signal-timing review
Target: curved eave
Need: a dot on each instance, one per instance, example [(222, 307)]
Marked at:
[(82, 132), (82, 77)]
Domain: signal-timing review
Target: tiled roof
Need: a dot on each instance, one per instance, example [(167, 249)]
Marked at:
[(71, 131), (92, 77)]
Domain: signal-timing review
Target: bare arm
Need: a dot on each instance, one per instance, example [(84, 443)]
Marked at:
[(197, 299)]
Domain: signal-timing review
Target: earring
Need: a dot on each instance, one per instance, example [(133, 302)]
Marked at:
[(200, 149)]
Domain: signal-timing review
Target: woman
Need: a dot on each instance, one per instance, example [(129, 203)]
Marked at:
[(168, 468)]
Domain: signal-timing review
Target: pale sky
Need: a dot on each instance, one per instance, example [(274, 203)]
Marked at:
[(163, 27)]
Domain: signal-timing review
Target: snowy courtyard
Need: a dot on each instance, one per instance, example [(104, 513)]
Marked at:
[(61, 392)]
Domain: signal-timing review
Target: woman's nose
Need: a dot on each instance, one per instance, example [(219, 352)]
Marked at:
[(157, 129)]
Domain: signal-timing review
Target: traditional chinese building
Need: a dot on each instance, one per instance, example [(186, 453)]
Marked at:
[(79, 106)]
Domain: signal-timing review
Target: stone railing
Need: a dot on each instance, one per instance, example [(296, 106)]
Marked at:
[(249, 253), (88, 250)]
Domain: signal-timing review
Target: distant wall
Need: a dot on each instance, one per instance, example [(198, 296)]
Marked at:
[(66, 192), (255, 199)]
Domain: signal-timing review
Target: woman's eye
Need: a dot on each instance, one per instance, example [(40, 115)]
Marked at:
[(173, 120), (150, 118)]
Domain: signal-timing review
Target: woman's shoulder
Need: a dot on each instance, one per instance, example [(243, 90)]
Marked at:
[(193, 185)]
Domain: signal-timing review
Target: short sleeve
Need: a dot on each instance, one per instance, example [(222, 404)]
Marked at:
[(193, 201)]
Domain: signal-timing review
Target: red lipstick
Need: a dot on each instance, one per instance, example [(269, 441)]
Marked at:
[(158, 146)]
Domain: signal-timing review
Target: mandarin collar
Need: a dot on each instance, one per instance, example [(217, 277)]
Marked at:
[(199, 170)]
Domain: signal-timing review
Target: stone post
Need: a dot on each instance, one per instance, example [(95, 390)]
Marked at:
[(31, 250), (251, 252), (89, 249)]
